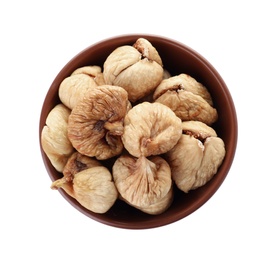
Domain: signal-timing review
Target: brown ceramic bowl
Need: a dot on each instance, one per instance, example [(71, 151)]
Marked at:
[(177, 58)]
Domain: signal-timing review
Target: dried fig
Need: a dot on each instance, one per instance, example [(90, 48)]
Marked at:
[(95, 124), (195, 159), (76, 163), (93, 188), (150, 129), (197, 129), (73, 88), (99, 79), (54, 140), (91, 71), (138, 69), (144, 183), (189, 99), (161, 206)]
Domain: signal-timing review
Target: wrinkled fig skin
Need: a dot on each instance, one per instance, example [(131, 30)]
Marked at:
[(147, 50), (183, 82), (54, 140), (194, 162), (144, 182), (73, 88), (189, 106), (198, 129), (160, 206), (95, 125), (93, 188), (214, 154), (189, 99), (76, 163), (150, 129), (138, 69), (91, 71)]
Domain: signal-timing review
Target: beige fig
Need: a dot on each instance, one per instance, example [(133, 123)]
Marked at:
[(95, 125), (54, 140), (93, 188), (78, 162), (75, 163), (195, 159), (99, 79), (189, 99), (73, 88), (150, 129), (138, 69), (161, 205), (198, 129), (93, 71), (144, 183)]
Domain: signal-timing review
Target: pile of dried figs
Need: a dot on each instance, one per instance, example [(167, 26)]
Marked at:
[(155, 128)]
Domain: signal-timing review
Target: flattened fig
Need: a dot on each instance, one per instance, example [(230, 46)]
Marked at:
[(95, 125), (93, 188), (150, 129), (73, 88), (138, 69), (189, 99), (91, 71), (195, 159), (54, 140), (144, 183), (76, 163), (198, 129)]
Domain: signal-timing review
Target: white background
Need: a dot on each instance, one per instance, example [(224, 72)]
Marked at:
[(39, 38)]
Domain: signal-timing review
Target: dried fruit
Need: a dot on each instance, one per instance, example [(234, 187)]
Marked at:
[(54, 140), (76, 163), (93, 188), (134, 112), (196, 157), (189, 99), (198, 129), (95, 124), (161, 206), (138, 69), (144, 183), (150, 129), (73, 88), (93, 71)]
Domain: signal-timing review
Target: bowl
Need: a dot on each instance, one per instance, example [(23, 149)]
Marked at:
[(177, 58)]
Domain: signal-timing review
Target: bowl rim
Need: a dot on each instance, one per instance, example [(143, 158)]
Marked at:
[(149, 223)]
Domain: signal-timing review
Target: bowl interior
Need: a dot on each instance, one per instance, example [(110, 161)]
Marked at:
[(177, 58)]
